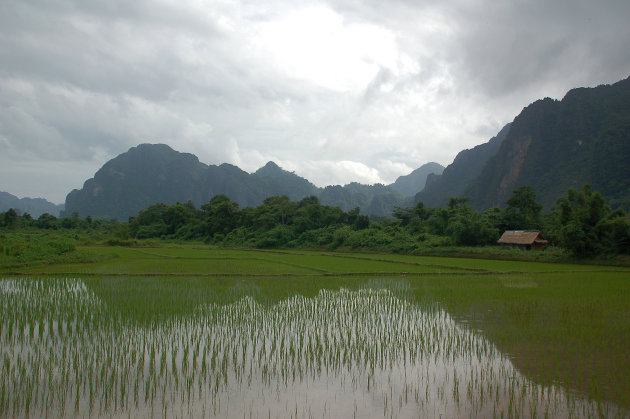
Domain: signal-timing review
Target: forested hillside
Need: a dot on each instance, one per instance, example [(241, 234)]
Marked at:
[(459, 174), (553, 145), (155, 173)]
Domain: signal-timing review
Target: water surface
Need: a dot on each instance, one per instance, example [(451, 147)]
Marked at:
[(71, 347)]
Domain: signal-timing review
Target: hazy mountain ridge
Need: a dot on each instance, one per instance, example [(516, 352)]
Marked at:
[(33, 206), (375, 199), (152, 173), (414, 182)]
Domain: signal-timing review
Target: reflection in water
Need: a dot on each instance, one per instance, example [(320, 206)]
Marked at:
[(362, 353)]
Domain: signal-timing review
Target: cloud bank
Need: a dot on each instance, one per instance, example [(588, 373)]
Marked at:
[(337, 91)]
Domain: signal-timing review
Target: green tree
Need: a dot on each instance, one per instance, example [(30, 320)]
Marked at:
[(587, 227), (495, 218), (47, 221), (412, 218), (467, 227), (522, 211), (457, 202), (9, 218), (179, 215), (438, 221), (356, 220), (221, 215), (26, 220), (274, 210), (309, 215), (150, 222)]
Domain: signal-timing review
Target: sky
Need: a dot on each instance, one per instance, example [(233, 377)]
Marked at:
[(335, 90)]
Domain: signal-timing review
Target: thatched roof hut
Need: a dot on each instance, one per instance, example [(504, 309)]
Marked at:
[(524, 239)]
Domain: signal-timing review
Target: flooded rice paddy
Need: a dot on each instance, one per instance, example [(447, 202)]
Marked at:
[(69, 351)]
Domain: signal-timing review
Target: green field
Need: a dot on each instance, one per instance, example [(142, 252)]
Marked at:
[(515, 338)]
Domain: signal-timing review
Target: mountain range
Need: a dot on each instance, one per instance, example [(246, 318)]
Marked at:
[(551, 145), (152, 173), (33, 206)]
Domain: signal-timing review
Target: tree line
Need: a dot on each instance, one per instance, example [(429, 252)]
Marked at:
[(581, 222)]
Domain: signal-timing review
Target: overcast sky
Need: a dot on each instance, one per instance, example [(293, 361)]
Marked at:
[(337, 90)]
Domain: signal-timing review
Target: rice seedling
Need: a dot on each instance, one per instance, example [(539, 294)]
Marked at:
[(89, 347)]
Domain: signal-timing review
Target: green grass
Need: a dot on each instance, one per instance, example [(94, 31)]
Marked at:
[(210, 261), (572, 328), (559, 323), (32, 247), (201, 260), (493, 265)]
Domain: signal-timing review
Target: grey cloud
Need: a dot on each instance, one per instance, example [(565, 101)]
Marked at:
[(499, 48), (123, 47), (108, 53), (84, 80), (538, 46)]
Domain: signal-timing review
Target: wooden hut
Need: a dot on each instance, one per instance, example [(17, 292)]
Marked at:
[(522, 239)]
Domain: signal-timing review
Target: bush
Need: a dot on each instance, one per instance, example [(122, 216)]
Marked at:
[(151, 231), (241, 237), (60, 248), (341, 235), (276, 237)]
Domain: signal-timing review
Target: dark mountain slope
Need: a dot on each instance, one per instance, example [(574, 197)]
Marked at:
[(610, 164), (154, 173), (277, 181), (553, 145), (467, 165), (232, 181), (134, 180), (414, 182)]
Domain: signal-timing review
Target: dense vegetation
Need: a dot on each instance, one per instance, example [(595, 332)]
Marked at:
[(581, 224)]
